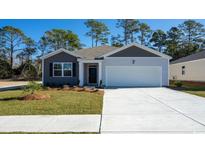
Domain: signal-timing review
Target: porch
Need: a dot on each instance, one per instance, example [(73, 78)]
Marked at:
[(90, 72)]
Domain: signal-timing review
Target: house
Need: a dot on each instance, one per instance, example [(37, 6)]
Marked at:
[(128, 66), (189, 68)]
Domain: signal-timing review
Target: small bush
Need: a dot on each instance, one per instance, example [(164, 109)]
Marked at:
[(32, 87), (178, 84)]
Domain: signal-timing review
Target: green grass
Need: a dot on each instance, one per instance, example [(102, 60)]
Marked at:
[(191, 88), (60, 103), (198, 93)]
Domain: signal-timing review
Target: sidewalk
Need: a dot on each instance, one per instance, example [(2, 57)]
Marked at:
[(50, 123)]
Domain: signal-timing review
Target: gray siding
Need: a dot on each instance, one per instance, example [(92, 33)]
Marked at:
[(133, 52), (58, 81)]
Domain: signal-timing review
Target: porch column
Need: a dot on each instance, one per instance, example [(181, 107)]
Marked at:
[(99, 72), (81, 73)]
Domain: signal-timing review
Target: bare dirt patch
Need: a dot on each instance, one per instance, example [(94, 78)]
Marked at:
[(35, 97)]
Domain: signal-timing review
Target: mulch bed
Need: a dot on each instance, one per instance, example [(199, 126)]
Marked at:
[(193, 83), (80, 89)]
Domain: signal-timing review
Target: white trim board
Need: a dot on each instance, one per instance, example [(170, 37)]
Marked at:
[(191, 61), (139, 46), (89, 61)]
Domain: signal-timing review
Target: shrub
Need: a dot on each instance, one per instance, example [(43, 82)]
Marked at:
[(29, 71), (17, 71), (5, 69), (32, 87), (178, 84)]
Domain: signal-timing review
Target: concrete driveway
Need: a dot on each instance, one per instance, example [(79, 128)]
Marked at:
[(152, 110)]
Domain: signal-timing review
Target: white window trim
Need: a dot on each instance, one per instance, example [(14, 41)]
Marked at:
[(62, 70)]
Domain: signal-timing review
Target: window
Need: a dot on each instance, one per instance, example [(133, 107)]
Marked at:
[(62, 69), (67, 69), (183, 70), (57, 69)]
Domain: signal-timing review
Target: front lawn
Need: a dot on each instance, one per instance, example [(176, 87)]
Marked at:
[(195, 88), (60, 102)]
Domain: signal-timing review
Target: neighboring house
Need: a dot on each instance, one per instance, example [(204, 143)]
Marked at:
[(189, 68), (128, 66)]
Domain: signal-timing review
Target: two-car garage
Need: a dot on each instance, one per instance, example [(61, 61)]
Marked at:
[(135, 66), (132, 76)]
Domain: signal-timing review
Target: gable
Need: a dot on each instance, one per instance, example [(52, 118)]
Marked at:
[(58, 52), (61, 57), (134, 51)]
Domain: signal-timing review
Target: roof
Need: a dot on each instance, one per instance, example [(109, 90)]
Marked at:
[(138, 46), (59, 51), (96, 52), (196, 56), (101, 51)]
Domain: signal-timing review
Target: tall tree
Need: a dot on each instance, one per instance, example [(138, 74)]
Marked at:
[(158, 39), (12, 40), (98, 32), (43, 46), (130, 27), (193, 35), (133, 28), (144, 33), (29, 49), (174, 43), (58, 38), (2, 44), (116, 41)]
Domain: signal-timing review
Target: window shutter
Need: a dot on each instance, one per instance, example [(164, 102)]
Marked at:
[(74, 69), (51, 69)]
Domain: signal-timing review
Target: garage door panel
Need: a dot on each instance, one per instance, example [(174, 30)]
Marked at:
[(130, 76)]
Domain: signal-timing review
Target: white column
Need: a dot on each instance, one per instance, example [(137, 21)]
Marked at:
[(99, 72), (81, 73)]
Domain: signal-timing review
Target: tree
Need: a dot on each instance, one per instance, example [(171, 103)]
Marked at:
[(158, 39), (32, 87), (133, 27), (174, 43), (43, 46), (144, 33), (28, 50), (11, 40), (98, 32), (130, 27), (193, 35), (29, 72), (58, 38), (116, 41), (5, 69)]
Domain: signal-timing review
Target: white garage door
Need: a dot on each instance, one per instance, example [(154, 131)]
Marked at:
[(131, 76)]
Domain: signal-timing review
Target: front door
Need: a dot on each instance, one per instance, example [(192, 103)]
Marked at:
[(92, 74)]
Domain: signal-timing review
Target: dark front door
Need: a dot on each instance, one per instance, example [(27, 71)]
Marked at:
[(92, 78)]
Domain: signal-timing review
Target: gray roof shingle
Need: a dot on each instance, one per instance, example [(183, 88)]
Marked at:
[(93, 53), (196, 56)]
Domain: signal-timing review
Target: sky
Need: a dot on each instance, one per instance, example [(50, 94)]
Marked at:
[(35, 28)]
